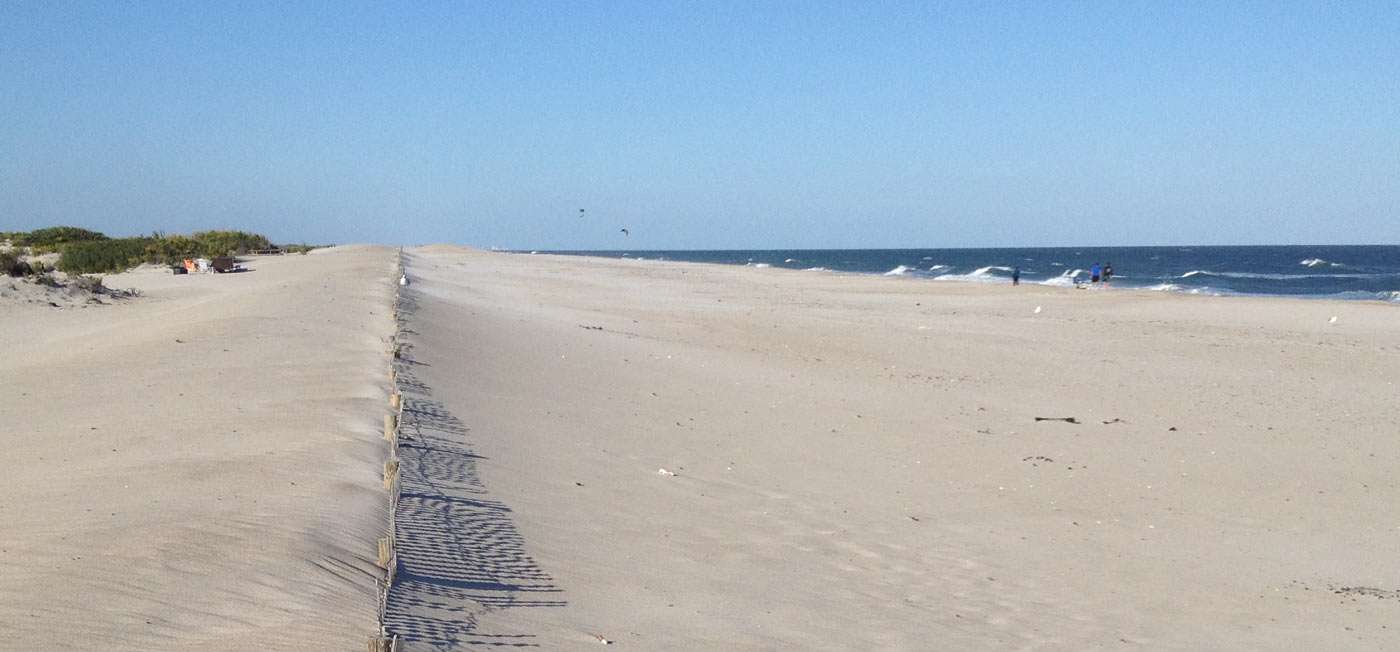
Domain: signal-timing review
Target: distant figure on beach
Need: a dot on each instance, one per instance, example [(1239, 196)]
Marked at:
[(1107, 272), (1094, 273), (1016, 276)]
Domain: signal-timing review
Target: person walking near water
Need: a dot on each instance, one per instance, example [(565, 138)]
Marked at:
[(1094, 273), (1016, 276), (1107, 272)]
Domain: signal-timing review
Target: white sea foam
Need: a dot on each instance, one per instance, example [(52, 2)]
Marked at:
[(986, 274), (816, 269), (790, 260), (898, 271), (1065, 279), (1276, 277), (760, 265), (939, 268), (1316, 262), (1057, 264), (1363, 295)]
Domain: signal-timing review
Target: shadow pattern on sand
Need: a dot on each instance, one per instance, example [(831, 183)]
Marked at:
[(459, 553)]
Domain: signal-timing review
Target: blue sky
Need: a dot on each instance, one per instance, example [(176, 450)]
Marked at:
[(707, 124)]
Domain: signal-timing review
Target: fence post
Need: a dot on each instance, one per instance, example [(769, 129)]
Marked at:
[(382, 641)]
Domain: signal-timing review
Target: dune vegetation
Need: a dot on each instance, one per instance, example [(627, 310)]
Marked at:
[(82, 251)]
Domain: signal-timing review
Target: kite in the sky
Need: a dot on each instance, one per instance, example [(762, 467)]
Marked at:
[(580, 212), (626, 232)]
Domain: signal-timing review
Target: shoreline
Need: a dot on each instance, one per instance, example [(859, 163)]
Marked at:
[(1166, 285), (1032, 286)]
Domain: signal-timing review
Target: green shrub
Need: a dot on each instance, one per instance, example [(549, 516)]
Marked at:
[(116, 255), (227, 243), (103, 256), (55, 237), (165, 249), (8, 261)]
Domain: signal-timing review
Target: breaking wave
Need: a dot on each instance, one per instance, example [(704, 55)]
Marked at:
[(986, 274), (1276, 277), (1065, 279)]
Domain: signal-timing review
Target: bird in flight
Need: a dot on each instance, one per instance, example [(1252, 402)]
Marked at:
[(626, 232)]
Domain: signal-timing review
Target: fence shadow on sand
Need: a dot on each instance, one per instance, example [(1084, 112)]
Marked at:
[(459, 554)]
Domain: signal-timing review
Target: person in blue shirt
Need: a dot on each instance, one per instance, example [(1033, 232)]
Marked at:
[(1094, 273)]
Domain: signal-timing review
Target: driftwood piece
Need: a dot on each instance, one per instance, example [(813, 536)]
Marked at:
[(1064, 419)]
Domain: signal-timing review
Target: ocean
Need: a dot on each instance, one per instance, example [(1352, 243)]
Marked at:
[(1370, 272)]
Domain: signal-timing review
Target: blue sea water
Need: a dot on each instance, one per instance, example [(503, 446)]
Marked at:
[(1370, 272)]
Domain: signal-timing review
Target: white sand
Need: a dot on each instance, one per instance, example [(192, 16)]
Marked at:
[(197, 468), (858, 465), (856, 461)]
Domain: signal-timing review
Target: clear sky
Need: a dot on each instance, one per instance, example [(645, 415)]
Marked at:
[(707, 124)]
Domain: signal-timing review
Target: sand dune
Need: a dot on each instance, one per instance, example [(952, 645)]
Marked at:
[(197, 468), (857, 463)]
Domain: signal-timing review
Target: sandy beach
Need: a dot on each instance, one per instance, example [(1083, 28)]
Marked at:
[(197, 468), (667, 455), (855, 462)]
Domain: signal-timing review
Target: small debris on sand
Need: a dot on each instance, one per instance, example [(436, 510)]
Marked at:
[(664, 472), (1064, 419)]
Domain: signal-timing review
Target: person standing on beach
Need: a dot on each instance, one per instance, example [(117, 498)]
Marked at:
[(1016, 276), (1107, 272), (1094, 273)]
